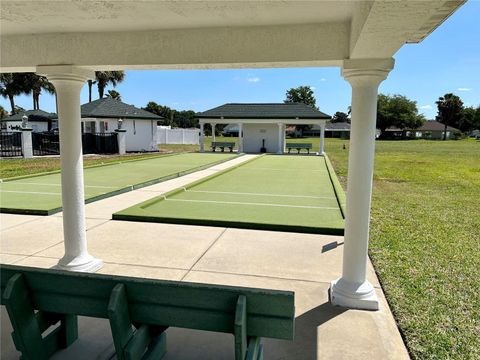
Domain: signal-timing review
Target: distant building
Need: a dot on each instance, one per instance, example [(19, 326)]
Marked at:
[(107, 114), (261, 126), (431, 129), (231, 130), (434, 130), (332, 130), (38, 120)]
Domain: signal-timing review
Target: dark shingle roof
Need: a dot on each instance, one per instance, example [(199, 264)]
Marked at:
[(111, 108), (337, 126), (433, 125), (33, 115), (263, 111)]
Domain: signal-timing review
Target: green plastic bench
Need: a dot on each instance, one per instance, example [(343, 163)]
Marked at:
[(299, 146), (139, 311), (222, 145)]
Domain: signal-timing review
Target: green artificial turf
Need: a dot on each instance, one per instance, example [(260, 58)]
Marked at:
[(285, 193), (42, 194)]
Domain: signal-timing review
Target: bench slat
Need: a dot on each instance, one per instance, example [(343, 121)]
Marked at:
[(299, 145), (226, 144), (157, 302)]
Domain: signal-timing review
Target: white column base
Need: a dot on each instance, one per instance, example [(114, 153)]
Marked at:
[(81, 264), (353, 296)]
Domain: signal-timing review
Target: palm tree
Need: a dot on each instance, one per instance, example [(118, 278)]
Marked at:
[(11, 85), (108, 77), (450, 111), (35, 84), (90, 84), (114, 95)]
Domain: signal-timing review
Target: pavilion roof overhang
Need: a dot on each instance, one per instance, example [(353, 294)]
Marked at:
[(209, 34)]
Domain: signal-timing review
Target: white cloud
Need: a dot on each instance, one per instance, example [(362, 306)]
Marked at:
[(426, 107), (464, 89), (313, 88), (253, 79), (323, 79)]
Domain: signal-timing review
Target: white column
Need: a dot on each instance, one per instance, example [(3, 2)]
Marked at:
[(68, 81), (240, 138), (321, 149), (353, 290), (202, 137), (284, 144), (122, 141), (280, 139), (213, 132), (27, 148)]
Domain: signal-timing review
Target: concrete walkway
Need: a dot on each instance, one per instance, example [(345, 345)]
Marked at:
[(303, 263)]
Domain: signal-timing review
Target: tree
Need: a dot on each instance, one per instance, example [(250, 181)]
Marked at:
[(11, 85), (471, 119), (340, 117), (34, 84), (450, 111), (163, 111), (185, 119), (397, 111), (103, 78), (174, 118), (3, 112), (90, 85), (304, 95), (301, 94), (114, 95)]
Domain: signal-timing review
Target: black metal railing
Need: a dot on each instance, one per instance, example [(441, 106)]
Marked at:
[(45, 144), (100, 143), (92, 143), (10, 144)]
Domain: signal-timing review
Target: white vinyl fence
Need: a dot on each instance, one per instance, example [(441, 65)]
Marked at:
[(178, 136)]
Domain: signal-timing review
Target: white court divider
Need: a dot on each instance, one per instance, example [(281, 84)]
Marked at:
[(178, 136)]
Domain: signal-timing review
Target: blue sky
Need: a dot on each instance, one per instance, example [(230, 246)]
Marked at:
[(446, 61)]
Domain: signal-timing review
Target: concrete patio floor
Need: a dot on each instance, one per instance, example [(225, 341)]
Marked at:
[(303, 263)]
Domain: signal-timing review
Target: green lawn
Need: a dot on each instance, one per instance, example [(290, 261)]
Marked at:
[(283, 193), (425, 240), (41, 194), (19, 167)]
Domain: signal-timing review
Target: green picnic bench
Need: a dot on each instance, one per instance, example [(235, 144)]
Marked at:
[(222, 145), (139, 311), (299, 146)]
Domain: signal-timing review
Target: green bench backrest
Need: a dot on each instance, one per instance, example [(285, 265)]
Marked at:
[(270, 313), (299, 145), (226, 144)]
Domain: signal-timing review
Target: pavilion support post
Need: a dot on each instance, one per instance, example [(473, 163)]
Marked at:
[(353, 290), (280, 138), (202, 137), (321, 149), (213, 132), (240, 137), (27, 147), (68, 81)]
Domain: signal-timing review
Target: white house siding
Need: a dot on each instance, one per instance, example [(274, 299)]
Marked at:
[(37, 126), (253, 135), (141, 134)]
